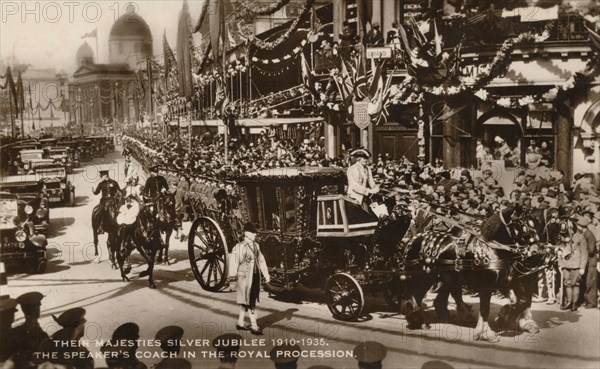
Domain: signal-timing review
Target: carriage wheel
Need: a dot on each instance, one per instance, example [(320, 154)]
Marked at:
[(207, 250), (344, 297)]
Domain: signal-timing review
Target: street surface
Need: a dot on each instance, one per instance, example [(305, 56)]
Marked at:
[(566, 340)]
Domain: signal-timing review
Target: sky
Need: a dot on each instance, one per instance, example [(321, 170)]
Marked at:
[(47, 34)]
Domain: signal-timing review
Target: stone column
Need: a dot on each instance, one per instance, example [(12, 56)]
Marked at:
[(563, 147)]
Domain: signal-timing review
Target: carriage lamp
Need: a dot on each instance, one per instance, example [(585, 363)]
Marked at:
[(28, 209), (21, 236)]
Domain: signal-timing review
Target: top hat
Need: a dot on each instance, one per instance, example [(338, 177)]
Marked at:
[(250, 227)]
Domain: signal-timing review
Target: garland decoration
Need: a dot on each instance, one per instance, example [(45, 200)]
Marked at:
[(248, 9), (270, 45)]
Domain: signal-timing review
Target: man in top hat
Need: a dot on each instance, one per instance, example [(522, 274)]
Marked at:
[(285, 356), (170, 339), (227, 346), (248, 264), (573, 261), (65, 342), (121, 349), (7, 317), (155, 184), (374, 36), (360, 179), (110, 189), (29, 334), (370, 354)]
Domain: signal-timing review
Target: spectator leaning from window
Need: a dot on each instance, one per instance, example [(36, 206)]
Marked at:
[(375, 37)]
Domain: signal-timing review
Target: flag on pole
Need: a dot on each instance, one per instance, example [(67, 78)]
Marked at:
[(437, 39), (93, 34), (306, 75)]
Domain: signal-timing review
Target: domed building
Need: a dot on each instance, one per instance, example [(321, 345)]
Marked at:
[(130, 40), (85, 55)]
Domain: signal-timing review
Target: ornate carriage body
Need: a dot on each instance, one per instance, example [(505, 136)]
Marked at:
[(309, 233)]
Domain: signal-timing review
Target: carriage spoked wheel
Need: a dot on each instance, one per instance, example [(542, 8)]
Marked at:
[(207, 251), (344, 296)]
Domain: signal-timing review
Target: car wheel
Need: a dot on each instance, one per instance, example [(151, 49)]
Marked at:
[(72, 198), (40, 267)]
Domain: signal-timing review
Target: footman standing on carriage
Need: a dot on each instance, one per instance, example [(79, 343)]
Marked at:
[(360, 179), (110, 189), (248, 264)]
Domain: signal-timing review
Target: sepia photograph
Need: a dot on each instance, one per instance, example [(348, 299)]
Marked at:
[(310, 184)]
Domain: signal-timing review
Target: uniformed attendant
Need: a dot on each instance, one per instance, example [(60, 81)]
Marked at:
[(29, 334), (572, 262), (170, 339), (65, 342), (110, 189), (7, 317), (370, 354), (227, 346), (360, 179), (285, 356), (248, 264), (155, 184), (122, 347)]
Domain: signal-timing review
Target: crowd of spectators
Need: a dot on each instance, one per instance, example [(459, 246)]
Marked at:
[(466, 195)]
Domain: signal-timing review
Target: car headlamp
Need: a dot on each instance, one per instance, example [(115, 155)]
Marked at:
[(64, 160), (21, 236), (26, 166), (28, 209), (63, 185)]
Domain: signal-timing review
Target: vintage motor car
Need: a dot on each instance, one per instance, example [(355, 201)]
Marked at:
[(19, 246), (12, 155), (110, 143), (33, 204), (75, 148), (65, 156), (29, 160), (98, 145), (55, 184)]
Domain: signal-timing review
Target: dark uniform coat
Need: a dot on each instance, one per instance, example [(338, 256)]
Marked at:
[(27, 338), (154, 185), (109, 188)]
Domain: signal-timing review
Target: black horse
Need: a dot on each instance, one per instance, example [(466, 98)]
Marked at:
[(105, 214), (143, 235), (166, 223), (506, 258)]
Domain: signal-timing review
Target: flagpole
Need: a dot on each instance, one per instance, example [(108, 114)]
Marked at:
[(97, 51), (224, 57)]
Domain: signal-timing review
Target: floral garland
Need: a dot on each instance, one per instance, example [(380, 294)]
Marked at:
[(270, 45), (486, 74), (554, 94), (248, 9)]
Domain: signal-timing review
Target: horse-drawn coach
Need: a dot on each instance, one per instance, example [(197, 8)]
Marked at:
[(312, 234)]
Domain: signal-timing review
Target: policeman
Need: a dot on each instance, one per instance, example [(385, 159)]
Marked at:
[(155, 184), (170, 339), (369, 355), (122, 348), (110, 189), (7, 317), (285, 356), (29, 334), (65, 342), (227, 346)]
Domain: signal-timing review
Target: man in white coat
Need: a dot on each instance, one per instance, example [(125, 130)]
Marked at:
[(360, 179), (247, 265)]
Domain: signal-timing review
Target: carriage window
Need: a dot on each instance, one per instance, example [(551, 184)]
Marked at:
[(252, 201), (289, 209), (271, 219)]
